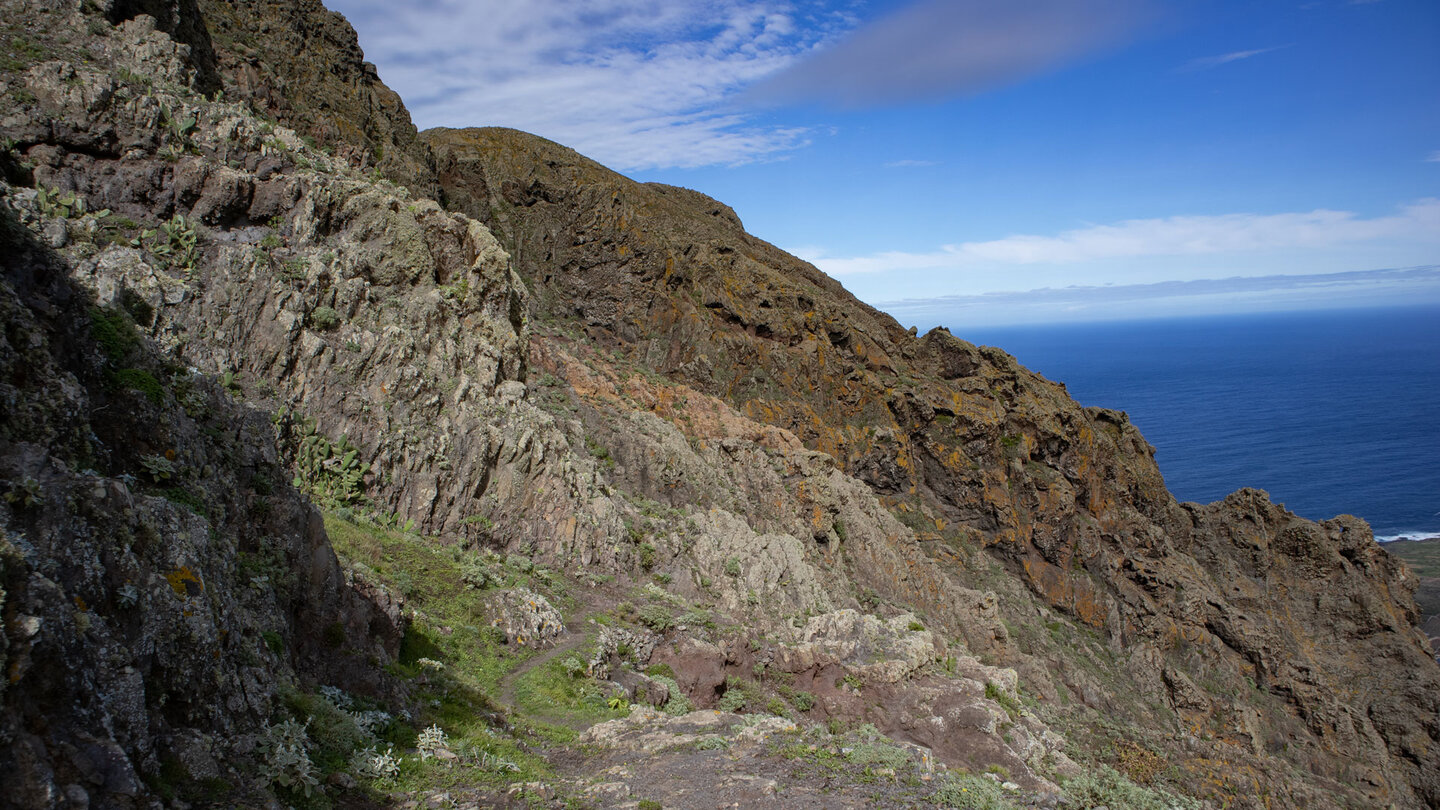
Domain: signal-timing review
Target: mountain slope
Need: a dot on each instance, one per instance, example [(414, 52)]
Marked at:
[(980, 451), (616, 422)]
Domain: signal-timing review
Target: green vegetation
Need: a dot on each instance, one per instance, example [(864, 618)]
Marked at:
[(1110, 788), (565, 694), (330, 472), (114, 333), (464, 662), (1009, 704), (972, 793), (136, 379), (324, 318), (176, 242)]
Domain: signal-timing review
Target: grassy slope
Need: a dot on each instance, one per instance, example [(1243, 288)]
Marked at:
[(1423, 557)]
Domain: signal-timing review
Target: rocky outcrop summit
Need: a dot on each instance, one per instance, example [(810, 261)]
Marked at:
[(545, 407)]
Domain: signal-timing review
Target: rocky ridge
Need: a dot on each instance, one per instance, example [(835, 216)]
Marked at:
[(911, 532)]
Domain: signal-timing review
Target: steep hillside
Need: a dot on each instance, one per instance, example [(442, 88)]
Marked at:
[(1279, 617), (581, 442)]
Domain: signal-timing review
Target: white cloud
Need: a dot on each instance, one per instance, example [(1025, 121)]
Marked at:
[(1206, 62), (633, 83), (910, 164), (938, 49), (1433, 157), (1410, 285), (1170, 236)]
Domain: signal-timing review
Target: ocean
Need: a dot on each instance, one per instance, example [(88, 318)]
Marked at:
[(1330, 412)]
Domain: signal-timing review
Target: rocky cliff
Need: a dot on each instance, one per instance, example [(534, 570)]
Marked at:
[(566, 410), (1277, 615)]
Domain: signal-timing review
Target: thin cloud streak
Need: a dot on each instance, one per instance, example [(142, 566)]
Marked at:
[(1171, 236), (938, 49), (1207, 62), (636, 84), (1410, 285)]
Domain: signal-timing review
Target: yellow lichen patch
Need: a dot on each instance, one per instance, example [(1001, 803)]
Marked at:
[(184, 582)]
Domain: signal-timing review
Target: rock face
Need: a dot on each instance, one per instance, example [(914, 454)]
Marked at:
[(1275, 614), (609, 379), (160, 581)]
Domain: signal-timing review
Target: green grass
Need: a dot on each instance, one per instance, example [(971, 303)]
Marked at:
[(431, 576), (556, 697), (1423, 556), (459, 697)]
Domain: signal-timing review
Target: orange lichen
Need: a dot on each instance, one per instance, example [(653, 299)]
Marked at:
[(184, 582)]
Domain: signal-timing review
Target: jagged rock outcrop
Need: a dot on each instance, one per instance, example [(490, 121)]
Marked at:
[(301, 64)]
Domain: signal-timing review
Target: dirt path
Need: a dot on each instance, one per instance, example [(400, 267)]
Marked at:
[(571, 641)]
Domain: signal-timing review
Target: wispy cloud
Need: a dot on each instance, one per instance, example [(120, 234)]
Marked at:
[(910, 164), (633, 83), (944, 48), (1207, 62), (1433, 157), (1201, 296), (1170, 236)]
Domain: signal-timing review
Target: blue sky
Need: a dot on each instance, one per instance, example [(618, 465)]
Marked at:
[(970, 162)]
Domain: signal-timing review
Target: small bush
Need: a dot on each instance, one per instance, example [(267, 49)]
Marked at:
[(678, 703), (136, 379), (113, 332), (973, 793), (287, 762), (888, 756), (1109, 787), (367, 763), (324, 318), (657, 618), (995, 693), (732, 701), (430, 741)]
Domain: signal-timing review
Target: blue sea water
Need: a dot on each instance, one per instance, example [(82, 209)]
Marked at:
[(1330, 412)]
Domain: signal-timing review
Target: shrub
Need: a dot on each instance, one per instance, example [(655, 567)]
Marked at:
[(973, 793), (113, 332), (1110, 788), (136, 379), (995, 693), (678, 703), (324, 318), (877, 753), (657, 618), (367, 763), (732, 701), (287, 762), (430, 741)]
